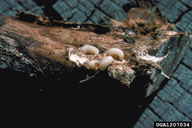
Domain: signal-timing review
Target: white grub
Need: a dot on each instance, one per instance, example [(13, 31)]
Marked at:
[(105, 62), (93, 64), (89, 50), (116, 53)]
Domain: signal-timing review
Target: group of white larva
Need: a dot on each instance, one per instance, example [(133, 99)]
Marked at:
[(112, 54)]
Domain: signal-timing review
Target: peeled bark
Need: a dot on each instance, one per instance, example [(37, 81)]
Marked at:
[(41, 47)]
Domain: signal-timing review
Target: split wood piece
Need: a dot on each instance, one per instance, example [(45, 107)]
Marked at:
[(53, 48)]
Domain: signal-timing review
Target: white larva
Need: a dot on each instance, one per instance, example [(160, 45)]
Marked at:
[(93, 64), (89, 50), (116, 53), (105, 62)]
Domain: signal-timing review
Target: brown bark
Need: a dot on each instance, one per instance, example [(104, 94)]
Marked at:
[(44, 47)]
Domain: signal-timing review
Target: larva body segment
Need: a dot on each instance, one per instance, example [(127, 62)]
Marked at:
[(116, 53), (93, 64), (105, 62), (89, 50)]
